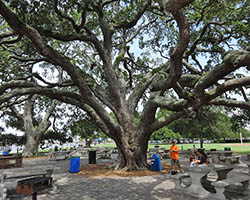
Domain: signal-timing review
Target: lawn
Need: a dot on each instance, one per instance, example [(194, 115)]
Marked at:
[(235, 147)]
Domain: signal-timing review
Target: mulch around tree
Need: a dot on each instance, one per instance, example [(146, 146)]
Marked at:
[(102, 171)]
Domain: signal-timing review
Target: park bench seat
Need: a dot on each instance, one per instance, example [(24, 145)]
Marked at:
[(179, 179), (236, 180), (103, 153), (230, 159), (179, 176)]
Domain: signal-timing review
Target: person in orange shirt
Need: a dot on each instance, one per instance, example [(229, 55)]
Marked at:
[(174, 154)]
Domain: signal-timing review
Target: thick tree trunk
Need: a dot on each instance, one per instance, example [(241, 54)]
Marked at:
[(132, 156), (33, 133), (31, 146), (201, 140)]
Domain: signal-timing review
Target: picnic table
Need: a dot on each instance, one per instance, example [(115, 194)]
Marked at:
[(217, 154), (200, 186), (11, 160), (104, 153), (59, 155)]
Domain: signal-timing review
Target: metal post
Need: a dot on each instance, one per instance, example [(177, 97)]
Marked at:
[(34, 196)]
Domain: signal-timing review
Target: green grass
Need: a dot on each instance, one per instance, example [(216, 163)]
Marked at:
[(105, 145), (236, 148)]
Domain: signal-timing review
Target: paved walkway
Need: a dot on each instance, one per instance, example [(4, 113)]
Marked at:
[(77, 187)]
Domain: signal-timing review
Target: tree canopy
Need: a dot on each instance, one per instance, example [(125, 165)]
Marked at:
[(123, 56)]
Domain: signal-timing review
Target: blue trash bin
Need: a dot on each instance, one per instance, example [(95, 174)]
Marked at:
[(156, 163), (5, 153), (74, 164)]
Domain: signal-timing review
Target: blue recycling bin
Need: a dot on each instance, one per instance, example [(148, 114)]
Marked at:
[(155, 163), (5, 153), (74, 164)]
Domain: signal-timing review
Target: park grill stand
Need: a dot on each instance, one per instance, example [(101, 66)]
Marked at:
[(33, 185)]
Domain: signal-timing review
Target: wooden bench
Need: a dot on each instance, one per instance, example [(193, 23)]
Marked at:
[(82, 151), (222, 185), (59, 155), (11, 160), (104, 153), (10, 177)]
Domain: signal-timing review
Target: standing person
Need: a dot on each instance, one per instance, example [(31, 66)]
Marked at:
[(174, 154)]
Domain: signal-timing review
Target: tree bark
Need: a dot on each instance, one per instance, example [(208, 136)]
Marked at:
[(201, 139), (31, 146), (132, 156), (33, 133)]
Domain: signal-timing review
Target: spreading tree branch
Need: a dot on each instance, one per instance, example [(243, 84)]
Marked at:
[(137, 17), (232, 60), (230, 103)]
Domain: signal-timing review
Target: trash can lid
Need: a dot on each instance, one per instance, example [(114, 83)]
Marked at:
[(76, 154), (75, 157)]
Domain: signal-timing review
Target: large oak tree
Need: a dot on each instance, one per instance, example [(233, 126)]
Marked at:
[(126, 56), (34, 122)]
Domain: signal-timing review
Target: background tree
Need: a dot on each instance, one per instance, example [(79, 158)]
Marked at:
[(86, 129), (240, 119), (9, 139), (31, 122), (165, 134), (245, 133), (210, 123), (51, 137), (125, 56)]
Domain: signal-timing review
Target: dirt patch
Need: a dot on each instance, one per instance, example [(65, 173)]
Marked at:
[(102, 171)]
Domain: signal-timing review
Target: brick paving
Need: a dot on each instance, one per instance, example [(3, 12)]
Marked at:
[(78, 187)]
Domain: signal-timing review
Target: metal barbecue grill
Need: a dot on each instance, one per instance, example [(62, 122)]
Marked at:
[(33, 185)]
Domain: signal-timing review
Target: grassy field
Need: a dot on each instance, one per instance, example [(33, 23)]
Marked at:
[(237, 148)]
